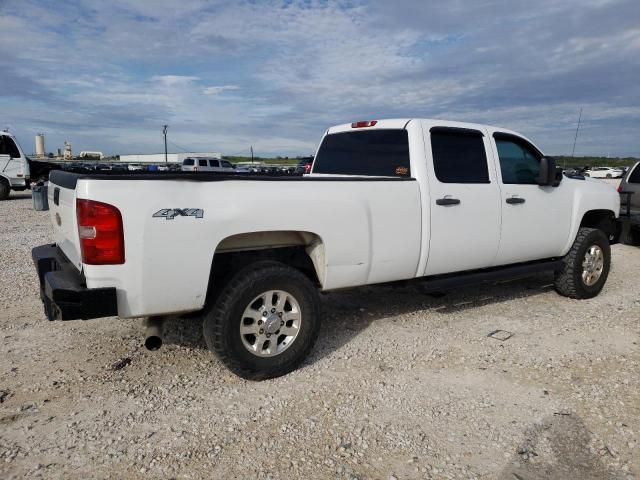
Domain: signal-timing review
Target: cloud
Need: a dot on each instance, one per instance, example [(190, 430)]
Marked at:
[(172, 80), (215, 90), (276, 74)]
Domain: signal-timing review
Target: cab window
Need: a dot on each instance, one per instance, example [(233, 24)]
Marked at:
[(214, 163), (519, 161), (375, 152), (459, 155)]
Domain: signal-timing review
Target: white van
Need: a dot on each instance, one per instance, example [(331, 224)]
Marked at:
[(204, 164), (14, 166)]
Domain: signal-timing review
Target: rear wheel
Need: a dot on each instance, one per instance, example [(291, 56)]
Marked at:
[(5, 189), (586, 266), (265, 321)]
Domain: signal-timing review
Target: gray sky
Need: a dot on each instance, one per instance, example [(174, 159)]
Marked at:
[(106, 75)]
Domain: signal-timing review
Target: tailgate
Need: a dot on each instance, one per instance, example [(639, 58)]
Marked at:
[(62, 205)]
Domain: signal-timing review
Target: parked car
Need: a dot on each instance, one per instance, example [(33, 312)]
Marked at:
[(304, 166), (202, 164), (604, 172), (119, 167), (14, 166), (629, 189), (466, 203), (103, 167), (631, 183), (134, 167)]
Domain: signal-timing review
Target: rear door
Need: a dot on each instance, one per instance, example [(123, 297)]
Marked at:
[(535, 220), (464, 199)]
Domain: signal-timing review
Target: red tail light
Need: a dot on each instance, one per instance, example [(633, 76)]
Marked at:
[(619, 188), (101, 233), (307, 168), (363, 124)]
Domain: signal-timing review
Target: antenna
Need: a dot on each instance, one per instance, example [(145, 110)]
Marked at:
[(576, 137)]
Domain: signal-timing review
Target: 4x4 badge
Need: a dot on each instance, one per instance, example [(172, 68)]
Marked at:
[(171, 213)]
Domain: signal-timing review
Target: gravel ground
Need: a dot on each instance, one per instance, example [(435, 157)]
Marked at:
[(400, 385)]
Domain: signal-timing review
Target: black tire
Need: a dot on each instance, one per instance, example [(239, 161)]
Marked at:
[(630, 236), (221, 324), (608, 175), (5, 189), (568, 281)]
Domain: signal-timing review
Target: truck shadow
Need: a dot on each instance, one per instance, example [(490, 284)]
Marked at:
[(557, 448), (347, 313)]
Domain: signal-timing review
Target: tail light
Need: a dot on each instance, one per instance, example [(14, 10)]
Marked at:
[(307, 168), (101, 233), (619, 188)]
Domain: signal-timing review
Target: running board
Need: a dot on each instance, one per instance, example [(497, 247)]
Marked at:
[(474, 277)]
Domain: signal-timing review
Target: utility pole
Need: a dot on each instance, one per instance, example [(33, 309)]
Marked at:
[(251, 153), (164, 132)]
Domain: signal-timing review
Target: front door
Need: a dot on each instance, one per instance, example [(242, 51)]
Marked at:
[(535, 220), (464, 200)]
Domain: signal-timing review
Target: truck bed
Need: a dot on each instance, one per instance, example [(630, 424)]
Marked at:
[(361, 229)]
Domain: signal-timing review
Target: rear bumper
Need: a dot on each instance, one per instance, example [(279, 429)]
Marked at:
[(63, 290)]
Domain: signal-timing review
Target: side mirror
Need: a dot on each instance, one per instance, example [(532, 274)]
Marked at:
[(547, 176)]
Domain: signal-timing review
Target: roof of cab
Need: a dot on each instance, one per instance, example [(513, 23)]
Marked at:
[(401, 123)]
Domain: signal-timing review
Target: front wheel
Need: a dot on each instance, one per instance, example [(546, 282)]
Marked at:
[(586, 266), (265, 321)]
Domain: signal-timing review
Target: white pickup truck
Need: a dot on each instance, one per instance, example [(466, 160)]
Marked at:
[(14, 166), (444, 203)]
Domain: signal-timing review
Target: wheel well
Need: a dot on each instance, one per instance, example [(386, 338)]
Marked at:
[(301, 250), (604, 220)]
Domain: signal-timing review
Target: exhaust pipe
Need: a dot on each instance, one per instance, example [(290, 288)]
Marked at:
[(155, 332)]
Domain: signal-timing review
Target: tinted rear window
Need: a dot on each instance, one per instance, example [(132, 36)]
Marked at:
[(188, 162), (370, 153), (459, 156), (214, 163), (635, 175), (202, 163)]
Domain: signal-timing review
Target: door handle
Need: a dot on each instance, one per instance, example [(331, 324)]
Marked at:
[(447, 201), (514, 200)]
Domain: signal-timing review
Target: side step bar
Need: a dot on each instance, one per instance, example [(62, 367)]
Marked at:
[(474, 277)]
